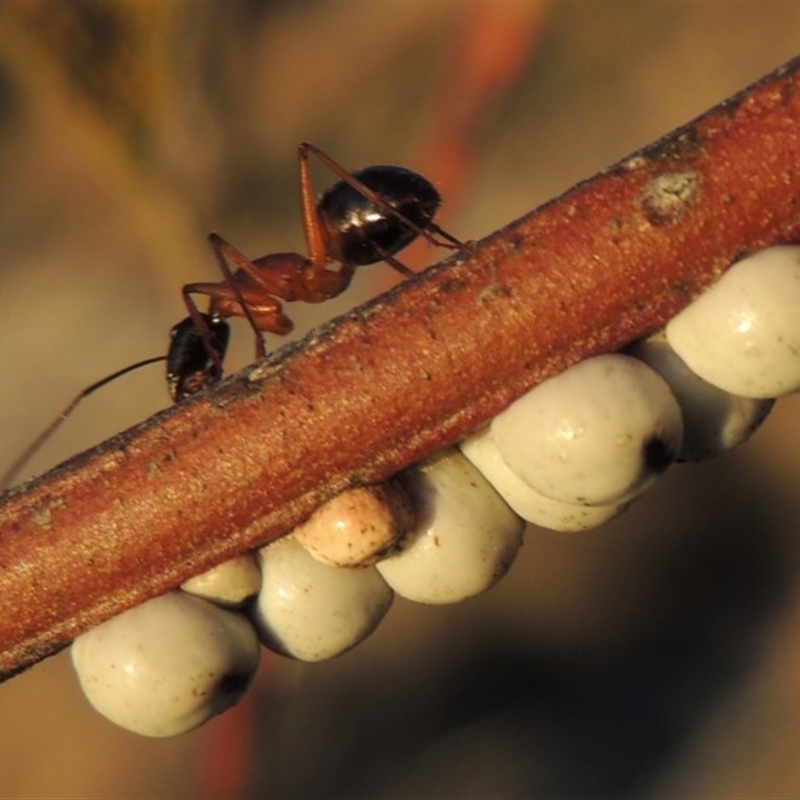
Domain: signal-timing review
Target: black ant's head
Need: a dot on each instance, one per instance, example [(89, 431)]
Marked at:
[(194, 359)]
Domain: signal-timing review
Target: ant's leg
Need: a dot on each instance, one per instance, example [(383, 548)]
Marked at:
[(375, 198), (220, 247), (452, 242), (396, 265), (288, 276), (319, 282), (312, 227), (264, 307), (200, 324)]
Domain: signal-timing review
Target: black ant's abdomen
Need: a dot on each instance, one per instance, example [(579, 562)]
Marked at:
[(359, 232)]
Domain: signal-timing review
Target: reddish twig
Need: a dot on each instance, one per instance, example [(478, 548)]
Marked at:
[(396, 379)]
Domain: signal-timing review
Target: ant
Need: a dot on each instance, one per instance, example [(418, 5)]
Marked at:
[(366, 217)]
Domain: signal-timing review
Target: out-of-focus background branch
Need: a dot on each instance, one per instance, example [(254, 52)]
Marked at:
[(656, 656)]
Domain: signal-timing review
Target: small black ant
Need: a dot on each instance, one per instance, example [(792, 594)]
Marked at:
[(366, 217)]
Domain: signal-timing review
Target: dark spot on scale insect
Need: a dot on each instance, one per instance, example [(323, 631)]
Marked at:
[(233, 684), (658, 454)]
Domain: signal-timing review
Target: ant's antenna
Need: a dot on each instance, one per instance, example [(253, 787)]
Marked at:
[(11, 473)]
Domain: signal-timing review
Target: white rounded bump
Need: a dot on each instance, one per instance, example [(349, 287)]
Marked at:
[(229, 584), (312, 611), (465, 538), (597, 434), (167, 666), (531, 505), (743, 333), (714, 420)]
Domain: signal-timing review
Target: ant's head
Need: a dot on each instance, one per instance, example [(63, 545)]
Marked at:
[(195, 356)]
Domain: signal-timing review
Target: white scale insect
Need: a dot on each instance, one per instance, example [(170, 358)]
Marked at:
[(742, 338)]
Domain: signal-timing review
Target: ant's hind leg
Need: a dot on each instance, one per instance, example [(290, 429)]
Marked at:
[(451, 242), (312, 227), (428, 233), (397, 265)]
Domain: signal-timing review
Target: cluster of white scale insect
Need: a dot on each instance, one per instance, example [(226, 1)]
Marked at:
[(571, 454)]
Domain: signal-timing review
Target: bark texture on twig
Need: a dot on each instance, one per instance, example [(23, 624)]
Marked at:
[(412, 371)]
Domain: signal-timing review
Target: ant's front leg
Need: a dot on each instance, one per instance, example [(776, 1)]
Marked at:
[(252, 289), (201, 326), (220, 248), (243, 299)]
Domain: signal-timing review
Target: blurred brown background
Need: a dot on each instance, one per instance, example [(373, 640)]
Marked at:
[(658, 656)]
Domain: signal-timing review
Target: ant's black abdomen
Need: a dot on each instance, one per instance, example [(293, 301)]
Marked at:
[(359, 232)]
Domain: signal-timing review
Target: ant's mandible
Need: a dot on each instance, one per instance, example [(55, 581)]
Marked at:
[(367, 216)]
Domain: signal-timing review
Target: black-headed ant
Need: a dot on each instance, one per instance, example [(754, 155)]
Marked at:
[(366, 217)]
